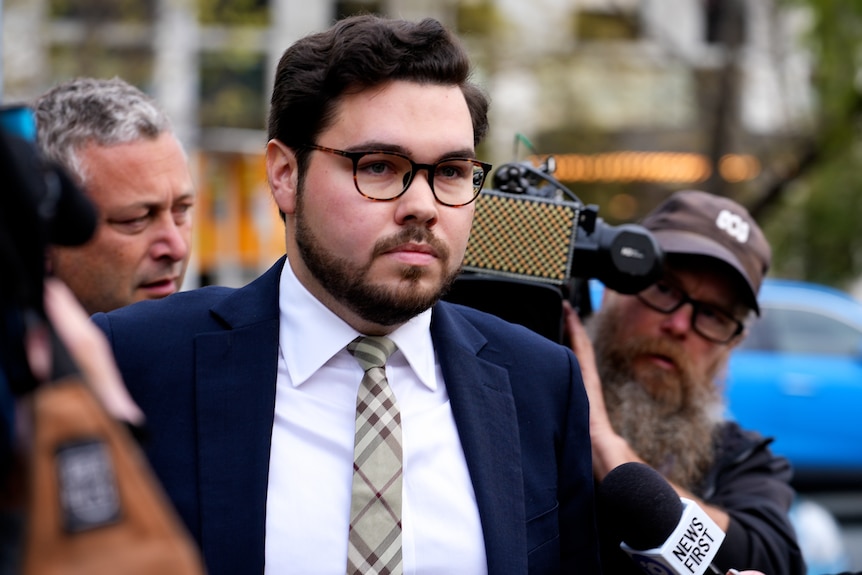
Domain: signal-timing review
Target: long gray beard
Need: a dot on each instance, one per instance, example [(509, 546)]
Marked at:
[(673, 430), (679, 445)]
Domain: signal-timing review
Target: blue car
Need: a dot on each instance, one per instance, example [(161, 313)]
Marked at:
[(798, 377)]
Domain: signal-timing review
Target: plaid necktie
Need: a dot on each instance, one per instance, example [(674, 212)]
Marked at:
[(375, 511)]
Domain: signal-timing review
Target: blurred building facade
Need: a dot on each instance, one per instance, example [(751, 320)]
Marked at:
[(635, 98)]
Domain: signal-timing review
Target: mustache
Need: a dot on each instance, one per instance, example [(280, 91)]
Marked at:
[(660, 347), (417, 234)]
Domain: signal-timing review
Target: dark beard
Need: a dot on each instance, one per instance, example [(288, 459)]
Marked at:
[(673, 428), (349, 284)]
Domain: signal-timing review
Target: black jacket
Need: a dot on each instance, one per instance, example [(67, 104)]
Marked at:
[(752, 485)]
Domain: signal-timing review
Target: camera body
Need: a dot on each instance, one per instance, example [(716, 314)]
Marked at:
[(534, 243), (40, 205)]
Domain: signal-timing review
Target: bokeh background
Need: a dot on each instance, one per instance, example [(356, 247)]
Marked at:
[(758, 100)]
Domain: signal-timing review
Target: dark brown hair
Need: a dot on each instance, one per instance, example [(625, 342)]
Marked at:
[(358, 53)]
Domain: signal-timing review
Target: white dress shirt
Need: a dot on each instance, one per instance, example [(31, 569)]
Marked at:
[(311, 458)]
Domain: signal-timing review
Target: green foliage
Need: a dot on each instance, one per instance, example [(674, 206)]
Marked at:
[(816, 227), (345, 8), (235, 12), (92, 59), (475, 17), (611, 26), (104, 10), (816, 232), (232, 90)]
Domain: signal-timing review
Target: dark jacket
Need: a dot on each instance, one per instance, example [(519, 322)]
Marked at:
[(202, 366), (752, 485)]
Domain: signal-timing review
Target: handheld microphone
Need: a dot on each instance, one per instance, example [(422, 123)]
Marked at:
[(662, 532)]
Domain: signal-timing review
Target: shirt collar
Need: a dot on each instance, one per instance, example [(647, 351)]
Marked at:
[(310, 334)]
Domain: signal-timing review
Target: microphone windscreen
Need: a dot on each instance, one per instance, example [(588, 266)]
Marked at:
[(640, 504)]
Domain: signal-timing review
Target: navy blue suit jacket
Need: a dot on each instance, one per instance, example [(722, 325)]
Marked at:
[(202, 366)]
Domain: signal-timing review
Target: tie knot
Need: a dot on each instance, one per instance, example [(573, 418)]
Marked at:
[(371, 351)]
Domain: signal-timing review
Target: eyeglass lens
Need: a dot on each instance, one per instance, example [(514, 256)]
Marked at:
[(707, 320), (383, 176)]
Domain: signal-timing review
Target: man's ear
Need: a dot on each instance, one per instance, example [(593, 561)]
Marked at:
[(282, 173)]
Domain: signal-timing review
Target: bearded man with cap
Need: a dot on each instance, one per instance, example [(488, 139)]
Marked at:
[(652, 364)]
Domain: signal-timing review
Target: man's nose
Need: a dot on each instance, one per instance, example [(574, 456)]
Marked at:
[(418, 202), (172, 241), (680, 320)]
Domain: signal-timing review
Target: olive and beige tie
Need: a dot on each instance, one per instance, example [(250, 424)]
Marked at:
[(375, 511)]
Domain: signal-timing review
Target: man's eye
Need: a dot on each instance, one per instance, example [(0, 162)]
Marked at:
[(377, 166), (133, 221), (182, 208), (716, 316), (451, 171), (130, 224), (711, 313), (181, 212)]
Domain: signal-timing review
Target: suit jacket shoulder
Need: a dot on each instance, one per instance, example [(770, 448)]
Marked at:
[(202, 366)]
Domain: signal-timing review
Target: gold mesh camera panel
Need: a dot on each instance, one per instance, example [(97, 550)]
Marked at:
[(522, 237)]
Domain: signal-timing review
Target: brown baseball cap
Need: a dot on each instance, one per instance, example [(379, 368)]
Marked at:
[(699, 223)]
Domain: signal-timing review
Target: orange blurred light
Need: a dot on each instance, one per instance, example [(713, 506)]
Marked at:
[(659, 167), (736, 168)]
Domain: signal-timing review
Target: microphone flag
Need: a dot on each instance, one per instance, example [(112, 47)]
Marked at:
[(688, 550)]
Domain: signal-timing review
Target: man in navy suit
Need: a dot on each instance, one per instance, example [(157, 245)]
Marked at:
[(250, 394)]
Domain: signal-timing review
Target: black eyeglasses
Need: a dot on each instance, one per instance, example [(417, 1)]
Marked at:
[(708, 321), (384, 176)]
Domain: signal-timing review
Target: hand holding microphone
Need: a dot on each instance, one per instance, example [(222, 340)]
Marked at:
[(663, 533)]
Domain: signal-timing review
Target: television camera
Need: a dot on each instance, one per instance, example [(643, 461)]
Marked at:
[(40, 205), (534, 243)]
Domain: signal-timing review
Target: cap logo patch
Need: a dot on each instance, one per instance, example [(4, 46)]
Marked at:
[(733, 224)]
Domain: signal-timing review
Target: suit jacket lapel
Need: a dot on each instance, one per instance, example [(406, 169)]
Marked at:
[(486, 418), (236, 376)]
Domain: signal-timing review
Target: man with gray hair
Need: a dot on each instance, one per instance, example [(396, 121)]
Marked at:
[(118, 144)]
